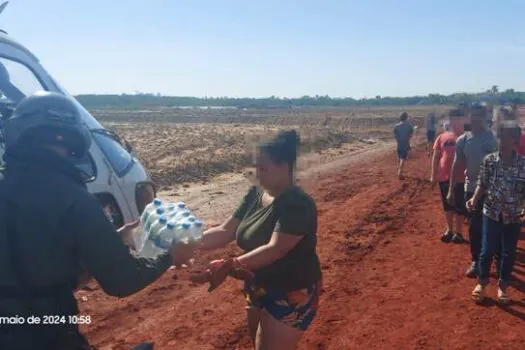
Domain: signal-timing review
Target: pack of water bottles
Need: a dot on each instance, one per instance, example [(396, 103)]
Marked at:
[(163, 224)]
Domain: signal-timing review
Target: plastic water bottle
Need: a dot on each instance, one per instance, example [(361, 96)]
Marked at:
[(174, 209), (166, 236), (140, 235), (150, 247), (196, 230), (170, 207), (157, 227), (182, 233), (181, 216), (150, 208), (149, 250), (153, 218), (189, 220)]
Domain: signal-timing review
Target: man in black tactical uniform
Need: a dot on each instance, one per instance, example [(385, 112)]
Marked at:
[(50, 226)]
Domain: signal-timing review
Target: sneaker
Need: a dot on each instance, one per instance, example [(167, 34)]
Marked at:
[(472, 271), (458, 238), (503, 297), (478, 294), (446, 237)]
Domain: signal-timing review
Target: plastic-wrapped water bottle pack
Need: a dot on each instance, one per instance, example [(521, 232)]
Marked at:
[(163, 224)]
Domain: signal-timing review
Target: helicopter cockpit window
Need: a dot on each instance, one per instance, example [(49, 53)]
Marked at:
[(16, 81)]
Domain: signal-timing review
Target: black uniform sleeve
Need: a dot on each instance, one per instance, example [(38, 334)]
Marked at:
[(106, 257)]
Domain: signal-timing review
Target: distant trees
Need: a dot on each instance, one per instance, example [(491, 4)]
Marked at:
[(150, 100)]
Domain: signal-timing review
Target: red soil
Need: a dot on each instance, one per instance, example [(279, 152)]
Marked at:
[(389, 281)]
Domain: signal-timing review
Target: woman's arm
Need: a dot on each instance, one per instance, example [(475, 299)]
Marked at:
[(280, 244), (478, 194), (485, 172), (472, 203), (220, 236)]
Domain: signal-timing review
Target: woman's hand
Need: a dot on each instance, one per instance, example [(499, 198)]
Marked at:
[(220, 236), (219, 270), (182, 253), (451, 198), (471, 205)]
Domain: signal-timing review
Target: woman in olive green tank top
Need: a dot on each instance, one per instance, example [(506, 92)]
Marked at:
[(275, 225)]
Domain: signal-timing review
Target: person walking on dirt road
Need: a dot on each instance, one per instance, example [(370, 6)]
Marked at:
[(403, 132), (275, 225), (52, 228), (442, 159), (431, 131), (502, 182), (471, 149)]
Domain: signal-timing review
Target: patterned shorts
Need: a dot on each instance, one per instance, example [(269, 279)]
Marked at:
[(296, 308)]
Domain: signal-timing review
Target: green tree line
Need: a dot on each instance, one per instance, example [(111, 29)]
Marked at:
[(148, 100)]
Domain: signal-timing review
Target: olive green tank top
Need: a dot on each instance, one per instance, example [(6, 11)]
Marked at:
[(293, 212)]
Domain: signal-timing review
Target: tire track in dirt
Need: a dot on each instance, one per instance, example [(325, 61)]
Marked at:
[(392, 284), (381, 208)]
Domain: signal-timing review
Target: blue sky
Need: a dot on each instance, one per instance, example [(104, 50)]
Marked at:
[(284, 48)]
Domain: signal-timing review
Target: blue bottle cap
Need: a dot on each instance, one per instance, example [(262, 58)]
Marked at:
[(160, 211), (185, 226), (157, 202), (170, 225), (181, 205), (163, 219), (191, 219), (198, 223)]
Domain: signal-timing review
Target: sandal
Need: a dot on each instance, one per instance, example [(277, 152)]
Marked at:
[(458, 238), (447, 237), (478, 294), (503, 297)]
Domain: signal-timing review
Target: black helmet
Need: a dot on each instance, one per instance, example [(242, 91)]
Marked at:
[(48, 118)]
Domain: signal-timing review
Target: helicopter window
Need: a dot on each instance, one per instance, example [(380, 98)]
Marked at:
[(16, 81), (118, 156)]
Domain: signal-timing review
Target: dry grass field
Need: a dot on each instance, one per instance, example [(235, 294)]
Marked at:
[(192, 145)]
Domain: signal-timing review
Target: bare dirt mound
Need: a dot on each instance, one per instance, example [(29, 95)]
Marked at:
[(389, 281)]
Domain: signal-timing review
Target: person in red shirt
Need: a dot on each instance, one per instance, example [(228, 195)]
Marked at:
[(442, 159)]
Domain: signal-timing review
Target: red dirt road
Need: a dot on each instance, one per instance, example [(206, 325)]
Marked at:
[(389, 282)]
